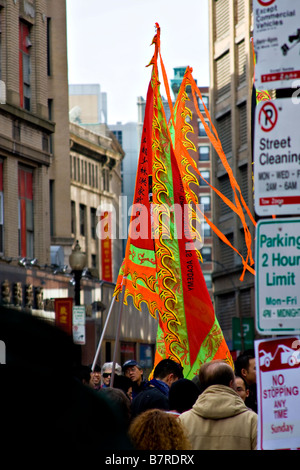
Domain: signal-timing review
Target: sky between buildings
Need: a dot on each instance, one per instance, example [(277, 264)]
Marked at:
[(109, 43)]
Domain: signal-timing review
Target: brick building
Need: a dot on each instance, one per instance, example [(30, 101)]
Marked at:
[(231, 86), (34, 144)]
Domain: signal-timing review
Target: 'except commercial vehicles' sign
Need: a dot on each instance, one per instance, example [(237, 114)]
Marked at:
[(277, 279), (277, 43), (277, 158), (278, 393)]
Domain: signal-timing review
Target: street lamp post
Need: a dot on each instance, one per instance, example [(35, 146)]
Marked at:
[(77, 262)]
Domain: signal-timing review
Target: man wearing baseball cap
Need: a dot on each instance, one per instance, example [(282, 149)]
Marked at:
[(134, 371)]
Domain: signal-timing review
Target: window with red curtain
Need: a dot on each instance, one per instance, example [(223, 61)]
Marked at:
[(1, 207), (24, 66), (26, 232)]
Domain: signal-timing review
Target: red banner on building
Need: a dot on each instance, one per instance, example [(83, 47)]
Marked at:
[(63, 314), (106, 249)]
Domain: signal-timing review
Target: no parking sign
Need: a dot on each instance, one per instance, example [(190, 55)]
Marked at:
[(278, 393), (277, 158)]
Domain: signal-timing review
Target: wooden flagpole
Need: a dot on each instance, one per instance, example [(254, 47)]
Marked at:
[(103, 333), (118, 332)]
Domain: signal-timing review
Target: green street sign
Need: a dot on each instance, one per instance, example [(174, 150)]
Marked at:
[(248, 333)]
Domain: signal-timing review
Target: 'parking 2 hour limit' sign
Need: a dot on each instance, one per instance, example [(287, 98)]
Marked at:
[(277, 280)]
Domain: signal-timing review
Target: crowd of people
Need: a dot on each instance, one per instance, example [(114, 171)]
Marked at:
[(216, 410), (51, 401)]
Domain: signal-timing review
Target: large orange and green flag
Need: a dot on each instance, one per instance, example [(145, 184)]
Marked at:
[(180, 129), (161, 266)]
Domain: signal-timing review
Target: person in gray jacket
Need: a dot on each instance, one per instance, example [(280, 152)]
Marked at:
[(220, 420)]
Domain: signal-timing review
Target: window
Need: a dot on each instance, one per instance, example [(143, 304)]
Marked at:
[(74, 168), (227, 253), (242, 116), (105, 179), (78, 169), (93, 176), (48, 46), (1, 207), (205, 201), (26, 232), (205, 101), (0, 45), (119, 136), (202, 131), (204, 153), (224, 130), (16, 130), (206, 254), (96, 176), (207, 278), (206, 229), (24, 66), (51, 200), (223, 77), (206, 176), (94, 261), (243, 170), (226, 308), (226, 189), (73, 217), (222, 18), (50, 116), (93, 223), (82, 217), (241, 59)]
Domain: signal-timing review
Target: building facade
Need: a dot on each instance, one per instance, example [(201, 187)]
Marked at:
[(127, 135), (53, 177), (95, 168), (34, 144), (231, 83)]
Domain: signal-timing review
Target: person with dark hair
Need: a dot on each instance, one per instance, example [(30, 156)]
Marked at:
[(156, 391), (124, 383), (133, 370), (242, 388), (182, 396), (245, 367), (95, 377), (219, 420), (52, 404), (157, 430), (83, 374), (120, 401)]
